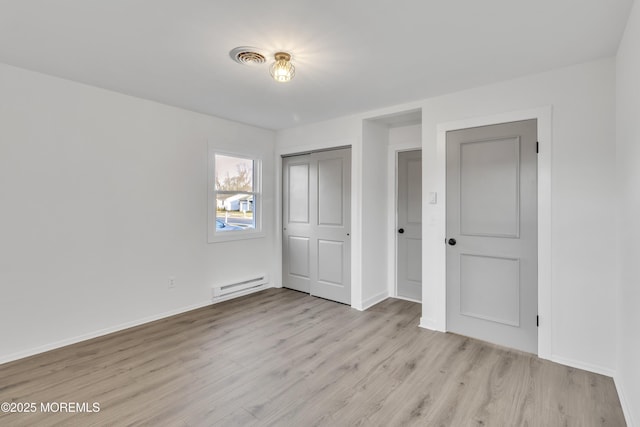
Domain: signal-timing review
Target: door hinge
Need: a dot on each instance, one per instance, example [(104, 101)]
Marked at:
[(537, 147), (538, 321)]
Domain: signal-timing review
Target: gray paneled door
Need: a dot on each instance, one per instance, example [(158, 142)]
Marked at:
[(409, 225), (492, 263), (316, 218)]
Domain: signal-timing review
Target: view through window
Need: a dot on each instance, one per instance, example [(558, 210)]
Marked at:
[(235, 194)]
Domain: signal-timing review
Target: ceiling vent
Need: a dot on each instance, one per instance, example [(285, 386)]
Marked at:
[(247, 55)]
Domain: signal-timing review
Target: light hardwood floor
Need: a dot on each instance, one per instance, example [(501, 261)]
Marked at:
[(284, 358)]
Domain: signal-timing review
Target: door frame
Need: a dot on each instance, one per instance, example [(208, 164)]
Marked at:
[(356, 182), (438, 319), (392, 212)]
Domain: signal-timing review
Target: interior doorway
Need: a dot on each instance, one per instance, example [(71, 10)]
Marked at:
[(409, 225)]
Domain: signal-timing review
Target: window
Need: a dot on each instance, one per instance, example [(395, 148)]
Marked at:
[(234, 197)]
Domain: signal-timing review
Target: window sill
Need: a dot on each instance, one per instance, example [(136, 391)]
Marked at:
[(230, 236)]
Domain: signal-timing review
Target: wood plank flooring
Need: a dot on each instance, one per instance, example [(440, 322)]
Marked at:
[(283, 358)]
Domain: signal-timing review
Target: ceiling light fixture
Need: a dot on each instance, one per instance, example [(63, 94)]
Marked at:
[(282, 70)]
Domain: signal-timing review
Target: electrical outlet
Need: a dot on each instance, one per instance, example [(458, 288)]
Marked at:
[(172, 282)]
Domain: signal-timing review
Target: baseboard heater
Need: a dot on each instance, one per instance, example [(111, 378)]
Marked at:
[(239, 288)]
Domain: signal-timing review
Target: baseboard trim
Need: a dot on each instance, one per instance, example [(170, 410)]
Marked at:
[(626, 409), (426, 324), (121, 327), (429, 324), (99, 333), (407, 299), (370, 302), (584, 366)]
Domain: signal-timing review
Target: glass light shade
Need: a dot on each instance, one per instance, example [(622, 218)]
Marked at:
[(282, 70)]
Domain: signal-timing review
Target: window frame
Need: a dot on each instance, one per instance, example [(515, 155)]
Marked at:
[(214, 236)]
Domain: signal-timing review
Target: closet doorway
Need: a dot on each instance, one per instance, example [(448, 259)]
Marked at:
[(316, 221)]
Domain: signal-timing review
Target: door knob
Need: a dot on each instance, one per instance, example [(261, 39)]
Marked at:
[(401, 230), (452, 242)]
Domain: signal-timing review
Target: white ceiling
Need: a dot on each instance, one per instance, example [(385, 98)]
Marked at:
[(351, 55)]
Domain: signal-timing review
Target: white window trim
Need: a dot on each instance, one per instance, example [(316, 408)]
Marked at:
[(251, 233)]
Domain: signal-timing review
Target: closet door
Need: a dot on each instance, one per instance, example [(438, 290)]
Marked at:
[(296, 221), (316, 224)]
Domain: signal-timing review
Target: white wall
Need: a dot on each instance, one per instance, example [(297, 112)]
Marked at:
[(583, 305), (103, 197), (628, 152), (375, 138), (409, 134)]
